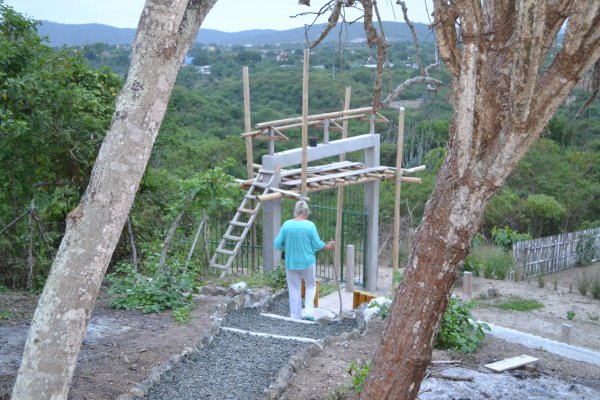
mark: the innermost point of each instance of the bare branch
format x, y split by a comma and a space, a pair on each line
406, 84
331, 23
414, 35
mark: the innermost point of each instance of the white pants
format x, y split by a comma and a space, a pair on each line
294, 282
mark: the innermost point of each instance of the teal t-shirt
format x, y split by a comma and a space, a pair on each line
300, 240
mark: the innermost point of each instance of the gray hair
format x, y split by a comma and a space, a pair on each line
301, 208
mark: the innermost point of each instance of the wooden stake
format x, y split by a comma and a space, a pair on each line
304, 121
247, 122
249, 155
396, 244
329, 115
30, 251
337, 258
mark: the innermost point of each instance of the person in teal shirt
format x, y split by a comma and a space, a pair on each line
299, 238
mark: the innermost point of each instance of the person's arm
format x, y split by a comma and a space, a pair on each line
279, 241
330, 245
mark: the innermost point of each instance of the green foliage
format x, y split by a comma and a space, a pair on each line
585, 250
326, 289
5, 314
383, 309
131, 289
181, 315
570, 315
3, 289
359, 372
506, 237
519, 304
543, 214
398, 275
541, 280
457, 332
583, 281
277, 278
489, 261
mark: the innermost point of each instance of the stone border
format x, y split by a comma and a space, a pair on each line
238, 299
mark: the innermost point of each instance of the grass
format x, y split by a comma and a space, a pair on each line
5, 314
326, 288
519, 304
491, 262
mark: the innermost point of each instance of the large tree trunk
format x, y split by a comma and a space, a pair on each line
165, 33
503, 99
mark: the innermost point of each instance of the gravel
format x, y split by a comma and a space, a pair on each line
249, 320
233, 367
239, 366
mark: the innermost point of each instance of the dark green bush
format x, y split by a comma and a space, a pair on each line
457, 331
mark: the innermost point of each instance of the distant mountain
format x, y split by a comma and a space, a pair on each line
73, 35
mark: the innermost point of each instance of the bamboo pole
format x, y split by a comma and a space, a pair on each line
304, 121
30, 250
337, 258
396, 245
333, 114
247, 122
249, 156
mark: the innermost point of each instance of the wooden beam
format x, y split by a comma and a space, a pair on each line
399, 171
335, 114
304, 120
247, 123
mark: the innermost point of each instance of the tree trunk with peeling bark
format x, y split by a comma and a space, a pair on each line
165, 33
504, 94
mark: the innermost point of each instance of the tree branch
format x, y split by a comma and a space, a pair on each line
331, 23
444, 25
406, 84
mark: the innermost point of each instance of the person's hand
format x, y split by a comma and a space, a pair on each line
330, 245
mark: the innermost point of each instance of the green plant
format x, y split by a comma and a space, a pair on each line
182, 314
398, 275
570, 315
457, 331
583, 282
326, 289
489, 261
277, 278
585, 250
3, 289
519, 304
5, 314
471, 264
506, 237
383, 309
131, 289
541, 280
359, 371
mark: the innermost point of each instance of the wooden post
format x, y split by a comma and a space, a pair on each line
396, 243
247, 123
350, 268
30, 252
304, 121
249, 156
337, 257
565, 333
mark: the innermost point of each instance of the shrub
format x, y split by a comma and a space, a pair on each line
471, 264
457, 332
570, 315
541, 280
133, 290
359, 372
491, 262
583, 282
506, 237
585, 250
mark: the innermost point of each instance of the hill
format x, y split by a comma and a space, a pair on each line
74, 35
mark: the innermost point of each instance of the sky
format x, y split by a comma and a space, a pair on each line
226, 15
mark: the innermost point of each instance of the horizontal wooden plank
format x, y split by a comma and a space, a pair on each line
511, 363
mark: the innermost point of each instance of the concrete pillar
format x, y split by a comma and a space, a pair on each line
271, 219
350, 268
565, 333
371, 207
467, 289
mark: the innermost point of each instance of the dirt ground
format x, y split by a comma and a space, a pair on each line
119, 350
123, 346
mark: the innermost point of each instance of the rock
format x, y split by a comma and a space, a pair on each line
493, 292
210, 290
237, 288
374, 306
137, 393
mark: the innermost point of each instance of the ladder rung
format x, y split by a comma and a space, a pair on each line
266, 171
238, 223
225, 251
250, 196
231, 237
220, 266
246, 210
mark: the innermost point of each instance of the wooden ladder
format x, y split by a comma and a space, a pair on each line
240, 225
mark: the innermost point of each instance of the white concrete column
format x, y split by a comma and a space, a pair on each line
371, 207
271, 219
467, 286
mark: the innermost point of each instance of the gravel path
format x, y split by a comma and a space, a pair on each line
249, 320
240, 366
